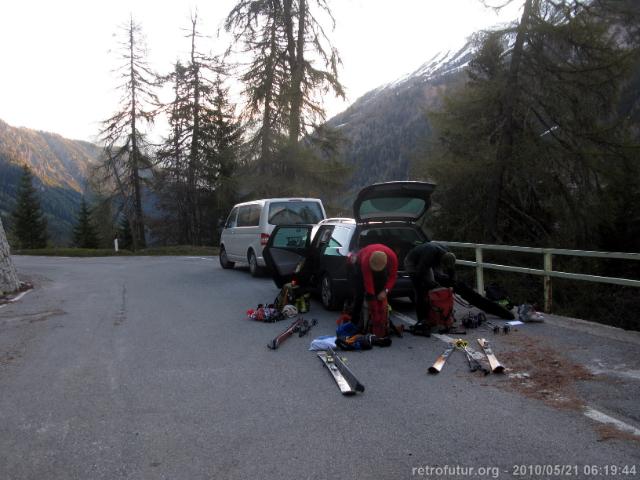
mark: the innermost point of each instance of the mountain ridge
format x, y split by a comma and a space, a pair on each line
385, 127
60, 168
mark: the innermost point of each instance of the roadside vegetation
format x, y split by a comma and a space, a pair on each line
178, 250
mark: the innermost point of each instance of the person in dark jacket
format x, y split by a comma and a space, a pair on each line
429, 265
432, 265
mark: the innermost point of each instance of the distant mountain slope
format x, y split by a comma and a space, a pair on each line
60, 167
384, 127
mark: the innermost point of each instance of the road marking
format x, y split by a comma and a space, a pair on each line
404, 318
598, 416
615, 371
444, 338
19, 296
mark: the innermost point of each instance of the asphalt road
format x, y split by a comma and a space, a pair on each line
147, 368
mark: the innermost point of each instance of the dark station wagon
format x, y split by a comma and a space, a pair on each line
319, 255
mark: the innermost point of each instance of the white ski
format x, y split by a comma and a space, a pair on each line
495, 365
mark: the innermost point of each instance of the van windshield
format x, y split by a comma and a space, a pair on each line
294, 212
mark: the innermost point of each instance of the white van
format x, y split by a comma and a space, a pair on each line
249, 225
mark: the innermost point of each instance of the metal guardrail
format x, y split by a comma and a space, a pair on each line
547, 271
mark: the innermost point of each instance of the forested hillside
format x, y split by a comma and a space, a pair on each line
60, 167
383, 128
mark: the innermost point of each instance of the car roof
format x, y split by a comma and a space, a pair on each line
262, 201
336, 220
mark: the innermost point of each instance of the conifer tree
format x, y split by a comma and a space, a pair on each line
199, 155
531, 147
29, 224
123, 135
125, 236
84, 232
291, 64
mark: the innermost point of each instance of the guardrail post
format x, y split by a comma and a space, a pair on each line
479, 271
548, 291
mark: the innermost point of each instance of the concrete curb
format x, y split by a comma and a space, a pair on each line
594, 328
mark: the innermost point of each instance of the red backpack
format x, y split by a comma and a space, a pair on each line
377, 317
440, 307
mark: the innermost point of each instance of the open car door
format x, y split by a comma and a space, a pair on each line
286, 251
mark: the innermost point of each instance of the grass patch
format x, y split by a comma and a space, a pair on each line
178, 250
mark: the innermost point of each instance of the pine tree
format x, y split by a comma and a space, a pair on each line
125, 236
29, 224
84, 232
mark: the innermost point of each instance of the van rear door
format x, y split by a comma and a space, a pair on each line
295, 211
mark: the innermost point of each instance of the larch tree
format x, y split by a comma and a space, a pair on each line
536, 136
292, 65
123, 134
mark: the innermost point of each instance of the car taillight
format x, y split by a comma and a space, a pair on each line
264, 239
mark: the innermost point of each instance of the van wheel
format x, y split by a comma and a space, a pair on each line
254, 268
327, 294
224, 261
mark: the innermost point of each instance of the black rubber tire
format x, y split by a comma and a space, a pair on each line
224, 261
254, 269
327, 293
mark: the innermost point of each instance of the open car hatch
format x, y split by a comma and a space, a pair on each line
389, 201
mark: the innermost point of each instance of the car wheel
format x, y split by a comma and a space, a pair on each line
254, 269
327, 294
224, 261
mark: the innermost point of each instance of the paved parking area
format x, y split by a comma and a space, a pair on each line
146, 367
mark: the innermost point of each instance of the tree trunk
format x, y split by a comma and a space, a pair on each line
138, 220
296, 61
8, 276
504, 153
265, 160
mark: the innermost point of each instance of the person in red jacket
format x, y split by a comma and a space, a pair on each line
375, 273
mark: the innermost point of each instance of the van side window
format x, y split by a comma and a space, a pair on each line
249, 215
244, 216
231, 219
254, 215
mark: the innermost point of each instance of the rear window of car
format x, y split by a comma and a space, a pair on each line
293, 212
392, 205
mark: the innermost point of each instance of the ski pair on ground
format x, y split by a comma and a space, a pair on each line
474, 365
346, 380
299, 325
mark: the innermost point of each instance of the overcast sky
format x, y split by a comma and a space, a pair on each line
58, 55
